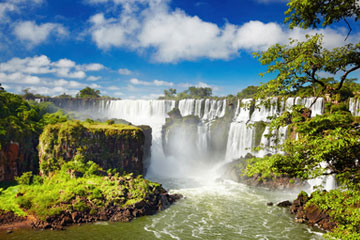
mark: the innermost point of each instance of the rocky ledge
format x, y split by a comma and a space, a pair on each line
111, 213
157, 202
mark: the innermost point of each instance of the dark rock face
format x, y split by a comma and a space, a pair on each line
155, 203
16, 159
311, 214
147, 146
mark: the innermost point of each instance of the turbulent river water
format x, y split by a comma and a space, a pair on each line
209, 210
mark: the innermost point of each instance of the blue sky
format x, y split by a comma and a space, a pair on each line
138, 48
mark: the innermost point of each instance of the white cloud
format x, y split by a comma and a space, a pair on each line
172, 35
124, 71
113, 88
93, 67
41, 75
35, 34
162, 83
93, 78
136, 81
16, 6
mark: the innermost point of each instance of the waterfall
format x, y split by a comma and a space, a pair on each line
214, 109
354, 106
242, 137
187, 107
240, 140
247, 129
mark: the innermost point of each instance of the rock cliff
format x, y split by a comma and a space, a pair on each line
114, 146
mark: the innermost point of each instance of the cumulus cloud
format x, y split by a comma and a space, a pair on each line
173, 35
35, 34
136, 81
124, 71
45, 76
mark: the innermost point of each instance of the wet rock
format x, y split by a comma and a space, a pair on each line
286, 203
311, 214
270, 204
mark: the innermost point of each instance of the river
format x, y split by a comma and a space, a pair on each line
210, 210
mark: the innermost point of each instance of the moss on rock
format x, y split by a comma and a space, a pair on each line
116, 146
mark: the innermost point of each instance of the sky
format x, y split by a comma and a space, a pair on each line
134, 49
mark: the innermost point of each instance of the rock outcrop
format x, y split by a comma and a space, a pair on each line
234, 172
310, 213
115, 146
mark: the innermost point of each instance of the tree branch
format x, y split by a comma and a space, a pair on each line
313, 78
343, 78
350, 29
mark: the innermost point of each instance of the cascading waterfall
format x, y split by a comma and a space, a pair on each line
354, 106
243, 134
206, 110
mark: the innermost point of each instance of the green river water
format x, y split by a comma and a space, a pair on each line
210, 210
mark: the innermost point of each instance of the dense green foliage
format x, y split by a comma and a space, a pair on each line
22, 121
248, 92
331, 138
305, 14
343, 208
77, 186
88, 93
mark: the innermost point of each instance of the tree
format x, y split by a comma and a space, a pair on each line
1, 88
199, 92
305, 14
248, 92
28, 95
88, 93
300, 64
168, 94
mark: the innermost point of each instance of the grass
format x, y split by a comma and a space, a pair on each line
63, 191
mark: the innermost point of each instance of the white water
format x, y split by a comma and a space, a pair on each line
354, 106
241, 136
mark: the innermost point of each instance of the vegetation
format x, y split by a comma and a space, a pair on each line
301, 63
98, 142
191, 92
77, 186
88, 93
248, 92
22, 121
326, 144
343, 208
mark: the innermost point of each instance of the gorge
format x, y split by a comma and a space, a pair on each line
185, 158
